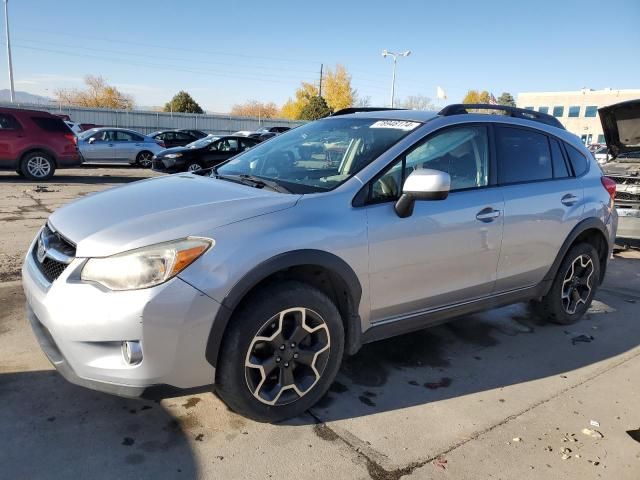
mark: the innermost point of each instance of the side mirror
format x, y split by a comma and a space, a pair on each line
422, 184
91, 140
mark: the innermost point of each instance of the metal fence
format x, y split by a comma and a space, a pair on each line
149, 121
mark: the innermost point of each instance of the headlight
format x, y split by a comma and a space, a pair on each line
145, 267
173, 155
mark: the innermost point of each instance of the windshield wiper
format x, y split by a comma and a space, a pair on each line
261, 183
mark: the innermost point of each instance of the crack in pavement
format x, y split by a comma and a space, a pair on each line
378, 472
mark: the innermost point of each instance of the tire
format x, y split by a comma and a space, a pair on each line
271, 313
143, 159
37, 166
193, 166
579, 272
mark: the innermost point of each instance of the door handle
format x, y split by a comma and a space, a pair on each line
569, 199
488, 214
111, 144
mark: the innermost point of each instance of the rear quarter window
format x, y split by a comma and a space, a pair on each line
49, 124
579, 162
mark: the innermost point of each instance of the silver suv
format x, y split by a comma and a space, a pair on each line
259, 275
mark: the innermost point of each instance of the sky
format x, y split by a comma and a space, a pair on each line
225, 53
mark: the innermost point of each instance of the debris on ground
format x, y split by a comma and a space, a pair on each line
44, 189
592, 433
440, 462
566, 453
199, 437
594, 423
516, 439
582, 339
443, 383
548, 448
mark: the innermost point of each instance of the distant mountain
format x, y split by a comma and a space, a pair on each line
23, 97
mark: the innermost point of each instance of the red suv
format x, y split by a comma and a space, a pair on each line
35, 143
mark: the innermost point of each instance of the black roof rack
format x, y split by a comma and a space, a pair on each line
347, 111
462, 108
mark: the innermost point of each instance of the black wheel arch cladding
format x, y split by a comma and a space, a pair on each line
346, 285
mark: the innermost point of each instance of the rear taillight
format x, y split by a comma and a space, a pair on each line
161, 143
71, 137
609, 185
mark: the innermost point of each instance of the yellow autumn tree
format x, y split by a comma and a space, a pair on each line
476, 96
292, 108
98, 94
337, 90
254, 108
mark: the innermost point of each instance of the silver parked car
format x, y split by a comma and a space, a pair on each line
117, 145
260, 274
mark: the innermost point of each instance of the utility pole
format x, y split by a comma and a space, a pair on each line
386, 53
6, 24
320, 87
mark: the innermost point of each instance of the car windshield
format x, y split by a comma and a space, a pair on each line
321, 155
203, 142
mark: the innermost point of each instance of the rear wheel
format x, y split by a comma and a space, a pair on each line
144, 159
281, 352
573, 288
37, 166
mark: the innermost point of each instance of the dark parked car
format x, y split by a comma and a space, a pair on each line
35, 143
266, 133
203, 153
173, 138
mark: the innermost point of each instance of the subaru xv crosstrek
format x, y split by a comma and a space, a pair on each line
259, 275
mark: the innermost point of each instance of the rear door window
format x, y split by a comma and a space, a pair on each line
8, 122
51, 124
578, 161
523, 155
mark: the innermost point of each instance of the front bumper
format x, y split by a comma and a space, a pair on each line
81, 327
168, 165
628, 223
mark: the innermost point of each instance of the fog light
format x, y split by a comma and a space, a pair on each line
131, 352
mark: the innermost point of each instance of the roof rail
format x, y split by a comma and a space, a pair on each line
462, 108
347, 111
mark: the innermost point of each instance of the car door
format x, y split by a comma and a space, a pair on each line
101, 148
447, 251
11, 139
128, 144
543, 202
182, 138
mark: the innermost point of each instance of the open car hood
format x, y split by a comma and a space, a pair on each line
621, 126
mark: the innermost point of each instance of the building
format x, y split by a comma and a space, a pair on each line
577, 110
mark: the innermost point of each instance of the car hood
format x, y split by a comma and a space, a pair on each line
621, 126
167, 151
158, 210
622, 168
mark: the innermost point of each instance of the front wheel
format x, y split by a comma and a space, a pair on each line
281, 352
144, 159
37, 166
193, 166
573, 288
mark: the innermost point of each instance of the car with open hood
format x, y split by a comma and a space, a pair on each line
621, 125
260, 274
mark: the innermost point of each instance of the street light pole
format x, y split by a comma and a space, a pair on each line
385, 54
6, 23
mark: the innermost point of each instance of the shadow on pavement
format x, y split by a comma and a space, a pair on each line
486, 351
64, 431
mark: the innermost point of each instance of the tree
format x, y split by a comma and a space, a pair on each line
293, 107
184, 103
475, 96
315, 109
336, 88
363, 101
97, 95
418, 102
253, 108
506, 99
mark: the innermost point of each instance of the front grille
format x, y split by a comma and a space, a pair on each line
627, 196
50, 267
625, 180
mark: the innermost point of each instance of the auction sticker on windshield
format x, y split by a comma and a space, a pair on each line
396, 124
